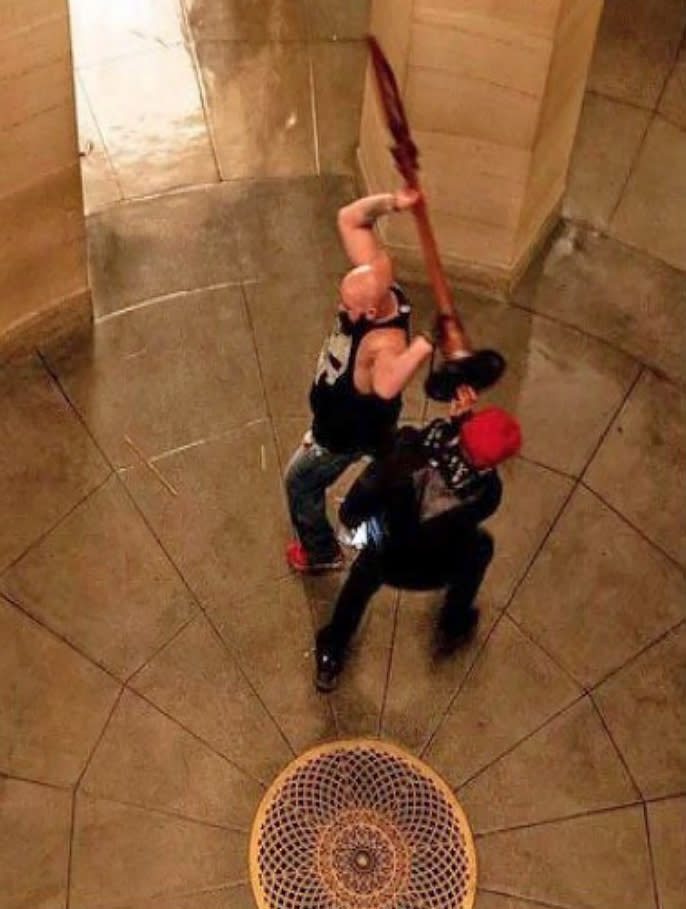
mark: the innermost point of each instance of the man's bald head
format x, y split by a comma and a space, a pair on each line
365, 289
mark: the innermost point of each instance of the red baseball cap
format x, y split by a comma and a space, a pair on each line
489, 437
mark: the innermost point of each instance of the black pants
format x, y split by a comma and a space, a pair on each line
460, 570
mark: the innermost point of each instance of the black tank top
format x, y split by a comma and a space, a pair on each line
344, 418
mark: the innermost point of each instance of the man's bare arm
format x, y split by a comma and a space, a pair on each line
394, 365
356, 222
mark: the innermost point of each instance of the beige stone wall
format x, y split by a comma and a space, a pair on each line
493, 90
42, 230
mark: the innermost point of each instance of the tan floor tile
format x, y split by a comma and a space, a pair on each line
598, 593
53, 702
652, 213
154, 247
288, 227
667, 823
634, 49
641, 467
585, 863
644, 706
569, 767
121, 854
291, 319
485, 900
245, 20
34, 845
358, 700
562, 386
236, 897
607, 140
259, 108
227, 528
331, 19
532, 498
103, 31
166, 375
152, 120
512, 689
101, 581
100, 186
338, 69
197, 682
422, 682
272, 632
47, 461
145, 759
621, 295
673, 101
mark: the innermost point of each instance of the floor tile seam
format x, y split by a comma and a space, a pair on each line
98, 739
618, 751
590, 336
35, 543
636, 656
163, 812
281, 470
389, 665
101, 136
191, 46
6, 775
169, 558
153, 46
551, 718
58, 636
235, 656
70, 849
636, 529
560, 819
164, 644
651, 858
170, 297
525, 899
633, 164
501, 614
672, 796
10, 126
313, 108
189, 446
557, 471
182, 894
553, 657
612, 419
198, 738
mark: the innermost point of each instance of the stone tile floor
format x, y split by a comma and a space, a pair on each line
157, 667
156, 671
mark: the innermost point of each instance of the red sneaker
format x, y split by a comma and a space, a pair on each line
299, 560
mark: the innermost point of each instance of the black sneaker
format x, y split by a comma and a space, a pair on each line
329, 666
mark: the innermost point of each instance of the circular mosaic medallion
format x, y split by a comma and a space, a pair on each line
361, 825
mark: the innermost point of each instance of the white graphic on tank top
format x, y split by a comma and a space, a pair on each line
334, 356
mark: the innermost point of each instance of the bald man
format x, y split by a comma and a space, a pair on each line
355, 398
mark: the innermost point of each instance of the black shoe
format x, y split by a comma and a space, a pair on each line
329, 666
481, 369
455, 628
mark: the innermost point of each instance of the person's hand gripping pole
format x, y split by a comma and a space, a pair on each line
461, 364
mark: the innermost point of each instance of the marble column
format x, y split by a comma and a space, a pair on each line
43, 278
493, 92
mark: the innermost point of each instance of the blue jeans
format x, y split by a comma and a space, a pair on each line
311, 470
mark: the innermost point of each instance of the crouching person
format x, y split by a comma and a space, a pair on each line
420, 509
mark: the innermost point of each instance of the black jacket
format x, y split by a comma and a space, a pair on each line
391, 489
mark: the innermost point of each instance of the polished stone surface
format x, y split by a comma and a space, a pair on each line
157, 656
614, 593
644, 708
650, 215
112, 612
34, 844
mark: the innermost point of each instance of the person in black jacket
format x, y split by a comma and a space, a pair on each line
420, 508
